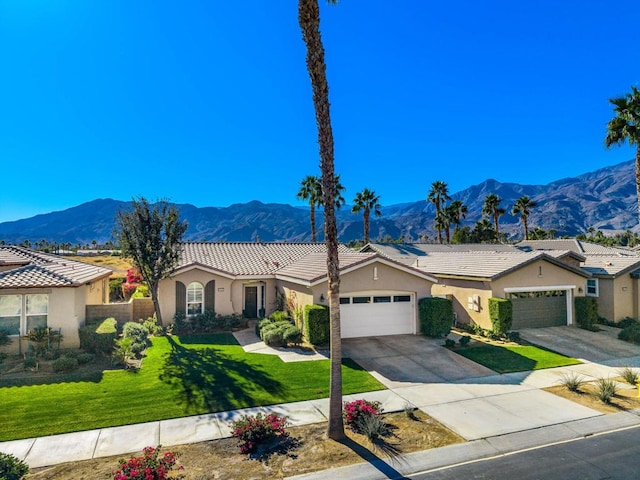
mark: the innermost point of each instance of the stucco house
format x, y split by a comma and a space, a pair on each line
615, 274
540, 285
41, 290
378, 295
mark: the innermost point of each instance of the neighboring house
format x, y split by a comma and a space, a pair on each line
378, 295
41, 290
615, 274
540, 286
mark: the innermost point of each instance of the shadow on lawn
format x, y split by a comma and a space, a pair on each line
208, 380
498, 359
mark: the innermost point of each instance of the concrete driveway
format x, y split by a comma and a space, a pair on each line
600, 347
403, 360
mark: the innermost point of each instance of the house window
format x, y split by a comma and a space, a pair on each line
21, 313
195, 299
402, 298
345, 300
361, 299
592, 287
381, 299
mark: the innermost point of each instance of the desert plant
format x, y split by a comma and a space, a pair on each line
409, 410
64, 364
572, 381
353, 411
606, 389
373, 427
11, 467
273, 337
464, 340
292, 335
280, 315
252, 430
630, 375
150, 466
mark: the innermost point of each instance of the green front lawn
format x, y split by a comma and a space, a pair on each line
180, 376
518, 358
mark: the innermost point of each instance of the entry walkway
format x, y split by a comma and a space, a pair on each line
487, 407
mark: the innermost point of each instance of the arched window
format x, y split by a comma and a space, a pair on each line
195, 298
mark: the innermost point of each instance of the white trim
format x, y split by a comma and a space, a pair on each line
597, 285
538, 289
188, 268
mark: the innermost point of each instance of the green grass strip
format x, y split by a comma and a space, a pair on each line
180, 377
506, 359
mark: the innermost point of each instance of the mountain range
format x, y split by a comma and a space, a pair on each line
604, 199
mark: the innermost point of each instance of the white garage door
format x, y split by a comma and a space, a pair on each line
375, 314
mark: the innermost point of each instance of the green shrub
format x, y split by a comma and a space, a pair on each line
142, 291
29, 362
138, 335
513, 337
627, 322
123, 352
98, 338
84, 358
316, 326
629, 375
501, 315
464, 340
4, 338
280, 315
260, 324
436, 316
65, 364
11, 467
292, 335
151, 326
115, 290
586, 312
230, 322
449, 343
252, 430
630, 334
273, 337
353, 412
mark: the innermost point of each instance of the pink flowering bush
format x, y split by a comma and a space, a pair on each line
150, 466
251, 430
354, 412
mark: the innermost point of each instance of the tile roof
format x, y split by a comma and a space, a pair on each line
39, 270
579, 246
247, 258
612, 265
399, 250
488, 265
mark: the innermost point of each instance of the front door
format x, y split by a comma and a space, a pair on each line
251, 302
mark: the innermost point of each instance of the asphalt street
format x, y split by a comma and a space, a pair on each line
609, 456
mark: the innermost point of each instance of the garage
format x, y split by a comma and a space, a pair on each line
371, 314
540, 308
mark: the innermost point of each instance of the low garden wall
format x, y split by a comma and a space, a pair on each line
132, 311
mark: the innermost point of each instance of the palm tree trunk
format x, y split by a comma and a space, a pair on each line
312, 214
526, 227
366, 226
495, 223
638, 178
309, 20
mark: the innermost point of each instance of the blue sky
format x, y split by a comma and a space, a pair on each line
209, 103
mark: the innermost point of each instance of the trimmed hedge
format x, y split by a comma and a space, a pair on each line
586, 312
501, 315
630, 333
99, 337
316, 325
436, 316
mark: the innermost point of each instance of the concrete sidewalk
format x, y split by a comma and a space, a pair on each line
486, 407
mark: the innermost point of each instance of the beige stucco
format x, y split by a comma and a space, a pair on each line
460, 291
618, 297
229, 292
66, 311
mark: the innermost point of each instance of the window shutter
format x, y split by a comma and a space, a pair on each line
210, 296
181, 298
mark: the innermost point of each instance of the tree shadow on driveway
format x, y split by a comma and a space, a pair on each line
208, 380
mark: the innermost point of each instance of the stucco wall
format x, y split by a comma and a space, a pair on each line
459, 292
530, 276
623, 297
96, 292
298, 296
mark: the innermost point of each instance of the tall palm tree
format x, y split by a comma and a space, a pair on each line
311, 191
438, 194
523, 208
442, 222
368, 202
457, 212
309, 20
492, 209
339, 199
625, 126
